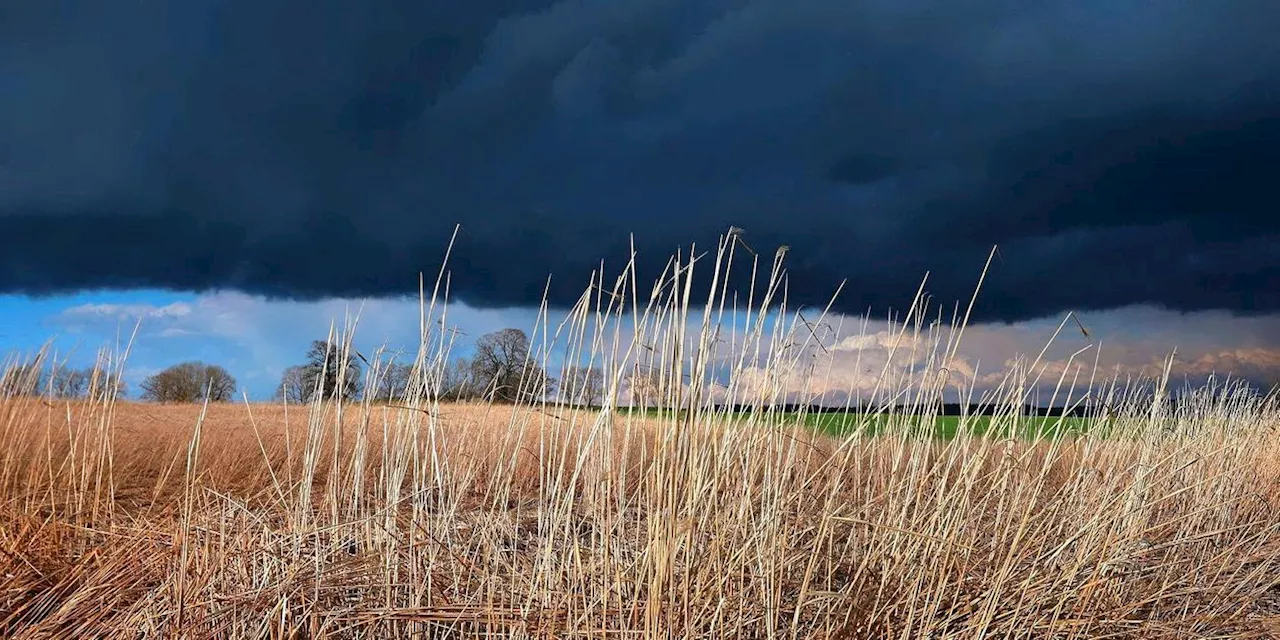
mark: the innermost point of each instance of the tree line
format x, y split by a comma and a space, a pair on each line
44, 379
502, 369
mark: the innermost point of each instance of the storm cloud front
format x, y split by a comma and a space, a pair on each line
1119, 152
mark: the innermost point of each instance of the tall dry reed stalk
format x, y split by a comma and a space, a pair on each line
356, 520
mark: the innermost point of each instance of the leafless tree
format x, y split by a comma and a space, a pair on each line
646, 386
106, 384
393, 383
504, 370
23, 379
292, 388
332, 371
190, 382
583, 386
456, 381
44, 378
69, 383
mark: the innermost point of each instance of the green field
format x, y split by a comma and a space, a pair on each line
844, 423
947, 427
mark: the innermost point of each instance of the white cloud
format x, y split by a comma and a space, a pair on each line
1134, 341
858, 367
89, 312
1246, 362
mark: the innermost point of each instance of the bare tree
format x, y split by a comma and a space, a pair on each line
456, 381
69, 383
293, 386
107, 384
583, 386
646, 385
23, 379
190, 382
393, 382
331, 371
44, 378
503, 370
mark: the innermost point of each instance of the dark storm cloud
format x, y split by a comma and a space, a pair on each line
862, 169
1118, 151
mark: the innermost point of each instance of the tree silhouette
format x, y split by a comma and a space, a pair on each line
583, 386
503, 370
331, 372
189, 382
394, 383
293, 386
457, 381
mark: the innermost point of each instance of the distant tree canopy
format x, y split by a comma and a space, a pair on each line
23, 379
54, 381
293, 385
68, 383
330, 372
647, 386
457, 381
583, 386
101, 384
189, 382
503, 370
393, 383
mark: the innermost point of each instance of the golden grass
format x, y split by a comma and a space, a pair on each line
515, 522
361, 521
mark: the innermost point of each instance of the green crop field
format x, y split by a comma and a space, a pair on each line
849, 423
947, 427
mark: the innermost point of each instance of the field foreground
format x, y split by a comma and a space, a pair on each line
129, 520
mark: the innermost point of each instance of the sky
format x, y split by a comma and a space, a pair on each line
239, 174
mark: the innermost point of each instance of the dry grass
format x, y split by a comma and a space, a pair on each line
361, 521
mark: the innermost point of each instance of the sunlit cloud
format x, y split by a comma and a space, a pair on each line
873, 361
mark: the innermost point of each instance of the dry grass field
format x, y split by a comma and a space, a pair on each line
259, 521
126, 520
